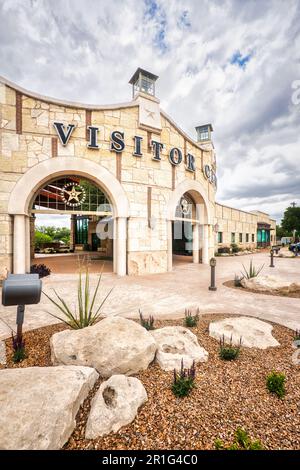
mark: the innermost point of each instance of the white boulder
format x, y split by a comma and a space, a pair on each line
114, 345
271, 284
176, 343
39, 405
115, 404
253, 332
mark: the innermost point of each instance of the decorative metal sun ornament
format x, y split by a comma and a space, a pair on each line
73, 194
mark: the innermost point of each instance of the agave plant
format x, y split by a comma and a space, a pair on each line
252, 271
85, 315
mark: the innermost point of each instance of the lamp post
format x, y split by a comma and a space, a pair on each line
213, 263
272, 258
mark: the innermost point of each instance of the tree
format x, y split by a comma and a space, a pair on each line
40, 237
291, 219
281, 232
55, 233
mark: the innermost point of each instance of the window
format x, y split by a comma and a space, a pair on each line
241, 238
204, 135
253, 239
220, 237
247, 237
232, 237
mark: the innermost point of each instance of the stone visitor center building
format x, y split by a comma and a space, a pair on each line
125, 170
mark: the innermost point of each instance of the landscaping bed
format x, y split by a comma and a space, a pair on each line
228, 395
295, 295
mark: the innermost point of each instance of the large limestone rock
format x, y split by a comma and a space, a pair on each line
254, 333
175, 343
114, 345
115, 404
271, 284
39, 405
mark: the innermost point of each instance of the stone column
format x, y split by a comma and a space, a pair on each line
170, 245
122, 246
115, 248
27, 244
205, 254
19, 244
195, 243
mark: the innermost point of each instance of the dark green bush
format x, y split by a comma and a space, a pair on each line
41, 269
184, 381
228, 351
147, 323
234, 248
224, 249
242, 441
191, 320
275, 383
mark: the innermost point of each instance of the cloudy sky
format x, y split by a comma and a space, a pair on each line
234, 63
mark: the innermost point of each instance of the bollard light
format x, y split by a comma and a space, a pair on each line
272, 258
213, 263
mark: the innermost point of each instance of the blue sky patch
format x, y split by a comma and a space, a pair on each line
240, 60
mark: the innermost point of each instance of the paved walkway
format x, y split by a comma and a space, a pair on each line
167, 295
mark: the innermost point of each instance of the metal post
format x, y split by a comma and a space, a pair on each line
20, 320
272, 258
213, 263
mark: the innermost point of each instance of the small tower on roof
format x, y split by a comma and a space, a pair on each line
143, 82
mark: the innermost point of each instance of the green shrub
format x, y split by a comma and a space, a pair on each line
234, 248
275, 383
224, 249
297, 335
252, 271
228, 351
84, 315
184, 381
147, 323
189, 319
242, 441
18, 343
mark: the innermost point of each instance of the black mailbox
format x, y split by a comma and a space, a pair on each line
21, 289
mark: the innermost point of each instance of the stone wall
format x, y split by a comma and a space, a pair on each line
22, 146
230, 220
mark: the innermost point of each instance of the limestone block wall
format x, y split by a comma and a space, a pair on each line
230, 220
27, 137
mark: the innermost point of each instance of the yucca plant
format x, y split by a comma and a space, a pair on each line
85, 316
252, 271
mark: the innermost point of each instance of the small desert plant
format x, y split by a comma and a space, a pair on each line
237, 280
86, 316
297, 335
41, 269
189, 319
242, 441
147, 323
275, 383
252, 271
183, 381
228, 351
18, 345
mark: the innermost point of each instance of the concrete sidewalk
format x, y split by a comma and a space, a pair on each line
167, 295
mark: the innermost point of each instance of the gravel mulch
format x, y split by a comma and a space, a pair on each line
294, 295
228, 395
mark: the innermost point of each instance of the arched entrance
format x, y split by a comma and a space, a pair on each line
71, 224
189, 223
27, 189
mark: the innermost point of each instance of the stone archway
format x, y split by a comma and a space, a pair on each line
26, 187
201, 218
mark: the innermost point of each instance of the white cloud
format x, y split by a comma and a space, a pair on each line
87, 51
